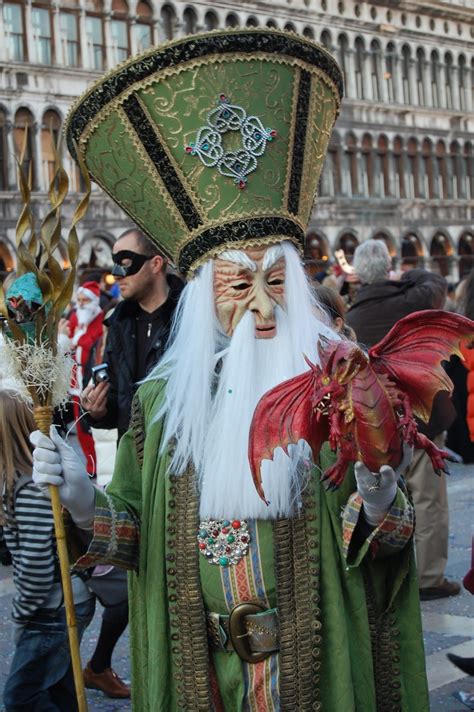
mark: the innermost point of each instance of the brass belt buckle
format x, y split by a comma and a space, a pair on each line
238, 634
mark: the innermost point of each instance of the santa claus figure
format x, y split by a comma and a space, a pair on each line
82, 336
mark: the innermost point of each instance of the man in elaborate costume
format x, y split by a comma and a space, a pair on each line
214, 145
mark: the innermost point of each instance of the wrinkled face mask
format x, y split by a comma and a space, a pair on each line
127, 262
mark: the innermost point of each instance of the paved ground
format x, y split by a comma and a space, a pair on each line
449, 623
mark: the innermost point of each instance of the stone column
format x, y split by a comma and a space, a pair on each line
398, 80
11, 156
83, 48
412, 83
3, 45
132, 36
58, 58
349, 76
442, 86
455, 88
30, 40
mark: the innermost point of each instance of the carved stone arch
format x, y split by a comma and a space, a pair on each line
252, 21
95, 250
168, 17
347, 241
465, 252
316, 252
441, 253
326, 39
308, 32
290, 27
211, 20
412, 250
387, 237
232, 20
272, 24
190, 20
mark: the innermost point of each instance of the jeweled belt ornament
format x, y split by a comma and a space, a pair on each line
223, 542
209, 147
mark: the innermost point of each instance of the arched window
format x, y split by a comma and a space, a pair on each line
190, 21
399, 168
458, 186
289, 27
211, 21
95, 36
343, 52
168, 21
413, 187
359, 67
411, 252
13, 20
326, 40
308, 32
271, 23
420, 65
352, 164
466, 254
231, 20
428, 172
406, 61
367, 187
3, 151
333, 165
462, 79
441, 252
68, 23
448, 73
384, 167
469, 170
316, 253
389, 71
348, 244
251, 22
435, 78
50, 132
42, 34
442, 172
375, 69
23, 142
119, 31
391, 247
143, 28
95, 252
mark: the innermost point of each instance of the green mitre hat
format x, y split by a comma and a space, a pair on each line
214, 140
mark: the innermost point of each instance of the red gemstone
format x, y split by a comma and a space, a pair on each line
188, 149
215, 532
273, 133
228, 549
244, 539
241, 185
222, 97
202, 545
225, 530
236, 524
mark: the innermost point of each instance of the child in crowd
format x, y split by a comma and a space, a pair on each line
41, 676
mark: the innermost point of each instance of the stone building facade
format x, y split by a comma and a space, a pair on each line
400, 165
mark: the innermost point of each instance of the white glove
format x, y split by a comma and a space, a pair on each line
379, 489
56, 463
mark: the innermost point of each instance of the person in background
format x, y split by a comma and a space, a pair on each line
41, 676
336, 308
138, 329
461, 433
379, 304
81, 334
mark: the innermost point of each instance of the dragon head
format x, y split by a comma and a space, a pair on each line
341, 360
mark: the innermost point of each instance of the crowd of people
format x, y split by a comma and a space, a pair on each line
309, 599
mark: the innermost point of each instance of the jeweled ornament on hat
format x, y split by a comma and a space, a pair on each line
209, 144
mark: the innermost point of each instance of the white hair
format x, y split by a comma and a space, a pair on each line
214, 383
372, 261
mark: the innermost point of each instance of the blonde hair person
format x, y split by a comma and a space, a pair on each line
41, 672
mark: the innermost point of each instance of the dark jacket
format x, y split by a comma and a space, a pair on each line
120, 355
378, 306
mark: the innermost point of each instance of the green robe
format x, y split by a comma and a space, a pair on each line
347, 596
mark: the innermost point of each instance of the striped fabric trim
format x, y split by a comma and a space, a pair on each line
244, 582
395, 531
115, 540
32, 545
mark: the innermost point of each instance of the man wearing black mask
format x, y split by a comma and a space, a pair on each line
138, 329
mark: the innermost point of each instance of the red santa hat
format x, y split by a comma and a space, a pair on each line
91, 290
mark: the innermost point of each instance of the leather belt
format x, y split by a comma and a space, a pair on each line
250, 630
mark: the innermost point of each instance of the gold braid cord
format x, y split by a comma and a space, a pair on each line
296, 548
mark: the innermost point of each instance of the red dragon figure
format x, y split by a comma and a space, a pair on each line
363, 404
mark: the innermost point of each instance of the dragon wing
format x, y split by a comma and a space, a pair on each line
284, 415
412, 351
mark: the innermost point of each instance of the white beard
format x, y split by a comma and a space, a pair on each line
250, 367
87, 314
